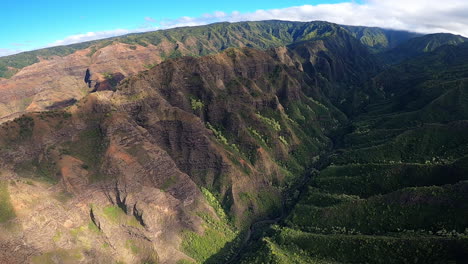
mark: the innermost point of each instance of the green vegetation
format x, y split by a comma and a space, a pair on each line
258, 136
26, 125
57, 236
214, 203
378, 39
219, 239
60, 256
406, 209
6, 209
275, 125
93, 50
113, 213
196, 104
111, 78
366, 180
416, 145
76, 232
21, 60
168, 183
214, 38
420, 45
131, 244
216, 236
184, 261
93, 227
150, 66
44, 171
271, 252
107, 75
391, 146
363, 249
394, 190
222, 139
89, 148
219, 136
117, 216
283, 140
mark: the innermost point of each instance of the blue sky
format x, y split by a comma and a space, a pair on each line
32, 24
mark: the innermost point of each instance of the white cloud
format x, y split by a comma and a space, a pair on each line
90, 36
216, 14
425, 16
6, 52
150, 19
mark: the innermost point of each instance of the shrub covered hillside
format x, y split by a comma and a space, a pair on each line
395, 189
175, 163
51, 78
214, 38
252, 142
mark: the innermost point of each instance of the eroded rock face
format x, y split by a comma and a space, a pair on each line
104, 63
130, 215
60, 79
127, 165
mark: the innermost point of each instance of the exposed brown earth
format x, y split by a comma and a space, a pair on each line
58, 79
127, 165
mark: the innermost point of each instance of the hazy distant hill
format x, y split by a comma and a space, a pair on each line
420, 45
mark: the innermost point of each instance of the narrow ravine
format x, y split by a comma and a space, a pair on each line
287, 206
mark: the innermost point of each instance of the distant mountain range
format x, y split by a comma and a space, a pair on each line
250, 142
44, 79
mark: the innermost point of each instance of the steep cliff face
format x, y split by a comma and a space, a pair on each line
96, 189
174, 162
49, 78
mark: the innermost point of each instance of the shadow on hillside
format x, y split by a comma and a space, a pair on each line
229, 251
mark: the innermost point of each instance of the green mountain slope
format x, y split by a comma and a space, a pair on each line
271, 142
395, 188
427, 89
379, 39
194, 149
419, 45
202, 40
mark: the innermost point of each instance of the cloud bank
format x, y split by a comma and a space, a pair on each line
424, 16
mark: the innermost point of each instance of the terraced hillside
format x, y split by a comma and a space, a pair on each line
395, 189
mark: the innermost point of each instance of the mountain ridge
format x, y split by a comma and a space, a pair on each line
421, 45
49, 80
174, 163
31, 57
170, 132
